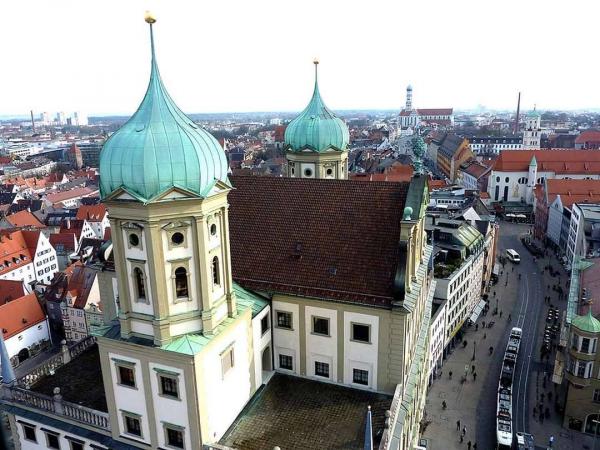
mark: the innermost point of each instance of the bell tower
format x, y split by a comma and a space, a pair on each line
164, 181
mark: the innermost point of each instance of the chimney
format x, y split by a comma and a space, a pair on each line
518, 111
32, 121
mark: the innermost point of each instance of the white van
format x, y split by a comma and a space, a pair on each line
513, 256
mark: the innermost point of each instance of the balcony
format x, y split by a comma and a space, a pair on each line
68, 385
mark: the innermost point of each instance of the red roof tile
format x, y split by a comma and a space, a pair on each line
20, 314
14, 251
563, 161
68, 241
588, 136
573, 191
10, 290
332, 239
92, 213
24, 219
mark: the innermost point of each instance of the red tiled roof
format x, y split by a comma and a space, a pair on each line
588, 136
24, 219
72, 226
436, 184
20, 314
14, 251
73, 193
332, 239
484, 195
559, 161
10, 290
573, 191
92, 213
67, 240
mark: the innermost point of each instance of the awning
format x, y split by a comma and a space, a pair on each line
477, 311
559, 366
496, 269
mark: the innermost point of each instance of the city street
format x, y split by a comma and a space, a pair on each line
474, 402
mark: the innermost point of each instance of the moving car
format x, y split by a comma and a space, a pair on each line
513, 256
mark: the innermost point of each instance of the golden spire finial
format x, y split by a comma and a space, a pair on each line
316, 61
149, 17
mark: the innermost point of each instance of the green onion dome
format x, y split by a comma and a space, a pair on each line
587, 323
160, 148
317, 128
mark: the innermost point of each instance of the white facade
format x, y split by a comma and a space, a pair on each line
555, 218
262, 345
286, 342
437, 339
361, 355
36, 333
24, 273
98, 226
533, 133
40, 430
45, 261
319, 348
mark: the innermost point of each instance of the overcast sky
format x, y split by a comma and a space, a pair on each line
226, 55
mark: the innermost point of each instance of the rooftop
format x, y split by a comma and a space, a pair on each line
331, 239
558, 161
80, 381
24, 219
297, 414
19, 314
573, 191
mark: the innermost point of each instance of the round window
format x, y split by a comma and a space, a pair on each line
329, 172
308, 172
506, 180
213, 230
134, 240
497, 179
177, 238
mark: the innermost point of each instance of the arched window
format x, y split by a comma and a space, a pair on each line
181, 282
215, 271
138, 275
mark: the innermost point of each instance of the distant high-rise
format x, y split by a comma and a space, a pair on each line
80, 118
61, 118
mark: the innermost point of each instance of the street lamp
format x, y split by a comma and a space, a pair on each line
474, 347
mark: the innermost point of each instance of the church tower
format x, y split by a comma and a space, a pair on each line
531, 179
164, 181
532, 134
409, 98
317, 141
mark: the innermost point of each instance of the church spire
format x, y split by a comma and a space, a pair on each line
8, 373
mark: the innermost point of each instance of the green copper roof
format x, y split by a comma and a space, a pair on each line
160, 148
534, 113
587, 323
317, 128
533, 161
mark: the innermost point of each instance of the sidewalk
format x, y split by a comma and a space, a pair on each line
474, 402
564, 439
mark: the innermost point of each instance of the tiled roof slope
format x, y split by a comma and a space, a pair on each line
14, 251
20, 314
573, 191
331, 239
558, 161
588, 136
10, 290
93, 213
24, 219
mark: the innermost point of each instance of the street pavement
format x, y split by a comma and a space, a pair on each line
474, 402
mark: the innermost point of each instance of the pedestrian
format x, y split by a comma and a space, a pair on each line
473, 368
464, 430
484, 335
483, 324
491, 349
509, 317
450, 375
444, 405
474, 376
501, 314
458, 425
469, 445
461, 438
494, 293
551, 441
475, 446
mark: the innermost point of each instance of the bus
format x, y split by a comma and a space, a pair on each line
513, 256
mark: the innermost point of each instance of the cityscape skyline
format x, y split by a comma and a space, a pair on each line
265, 65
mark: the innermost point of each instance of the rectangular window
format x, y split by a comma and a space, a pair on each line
264, 325
133, 425
321, 369
227, 360
597, 395
126, 375
286, 362
75, 444
174, 437
168, 386
52, 440
360, 376
361, 332
585, 345
29, 433
284, 319
320, 325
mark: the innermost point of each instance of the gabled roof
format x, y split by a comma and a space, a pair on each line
564, 161
73, 193
76, 280
572, 191
588, 136
20, 314
14, 251
330, 239
64, 242
24, 219
91, 213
